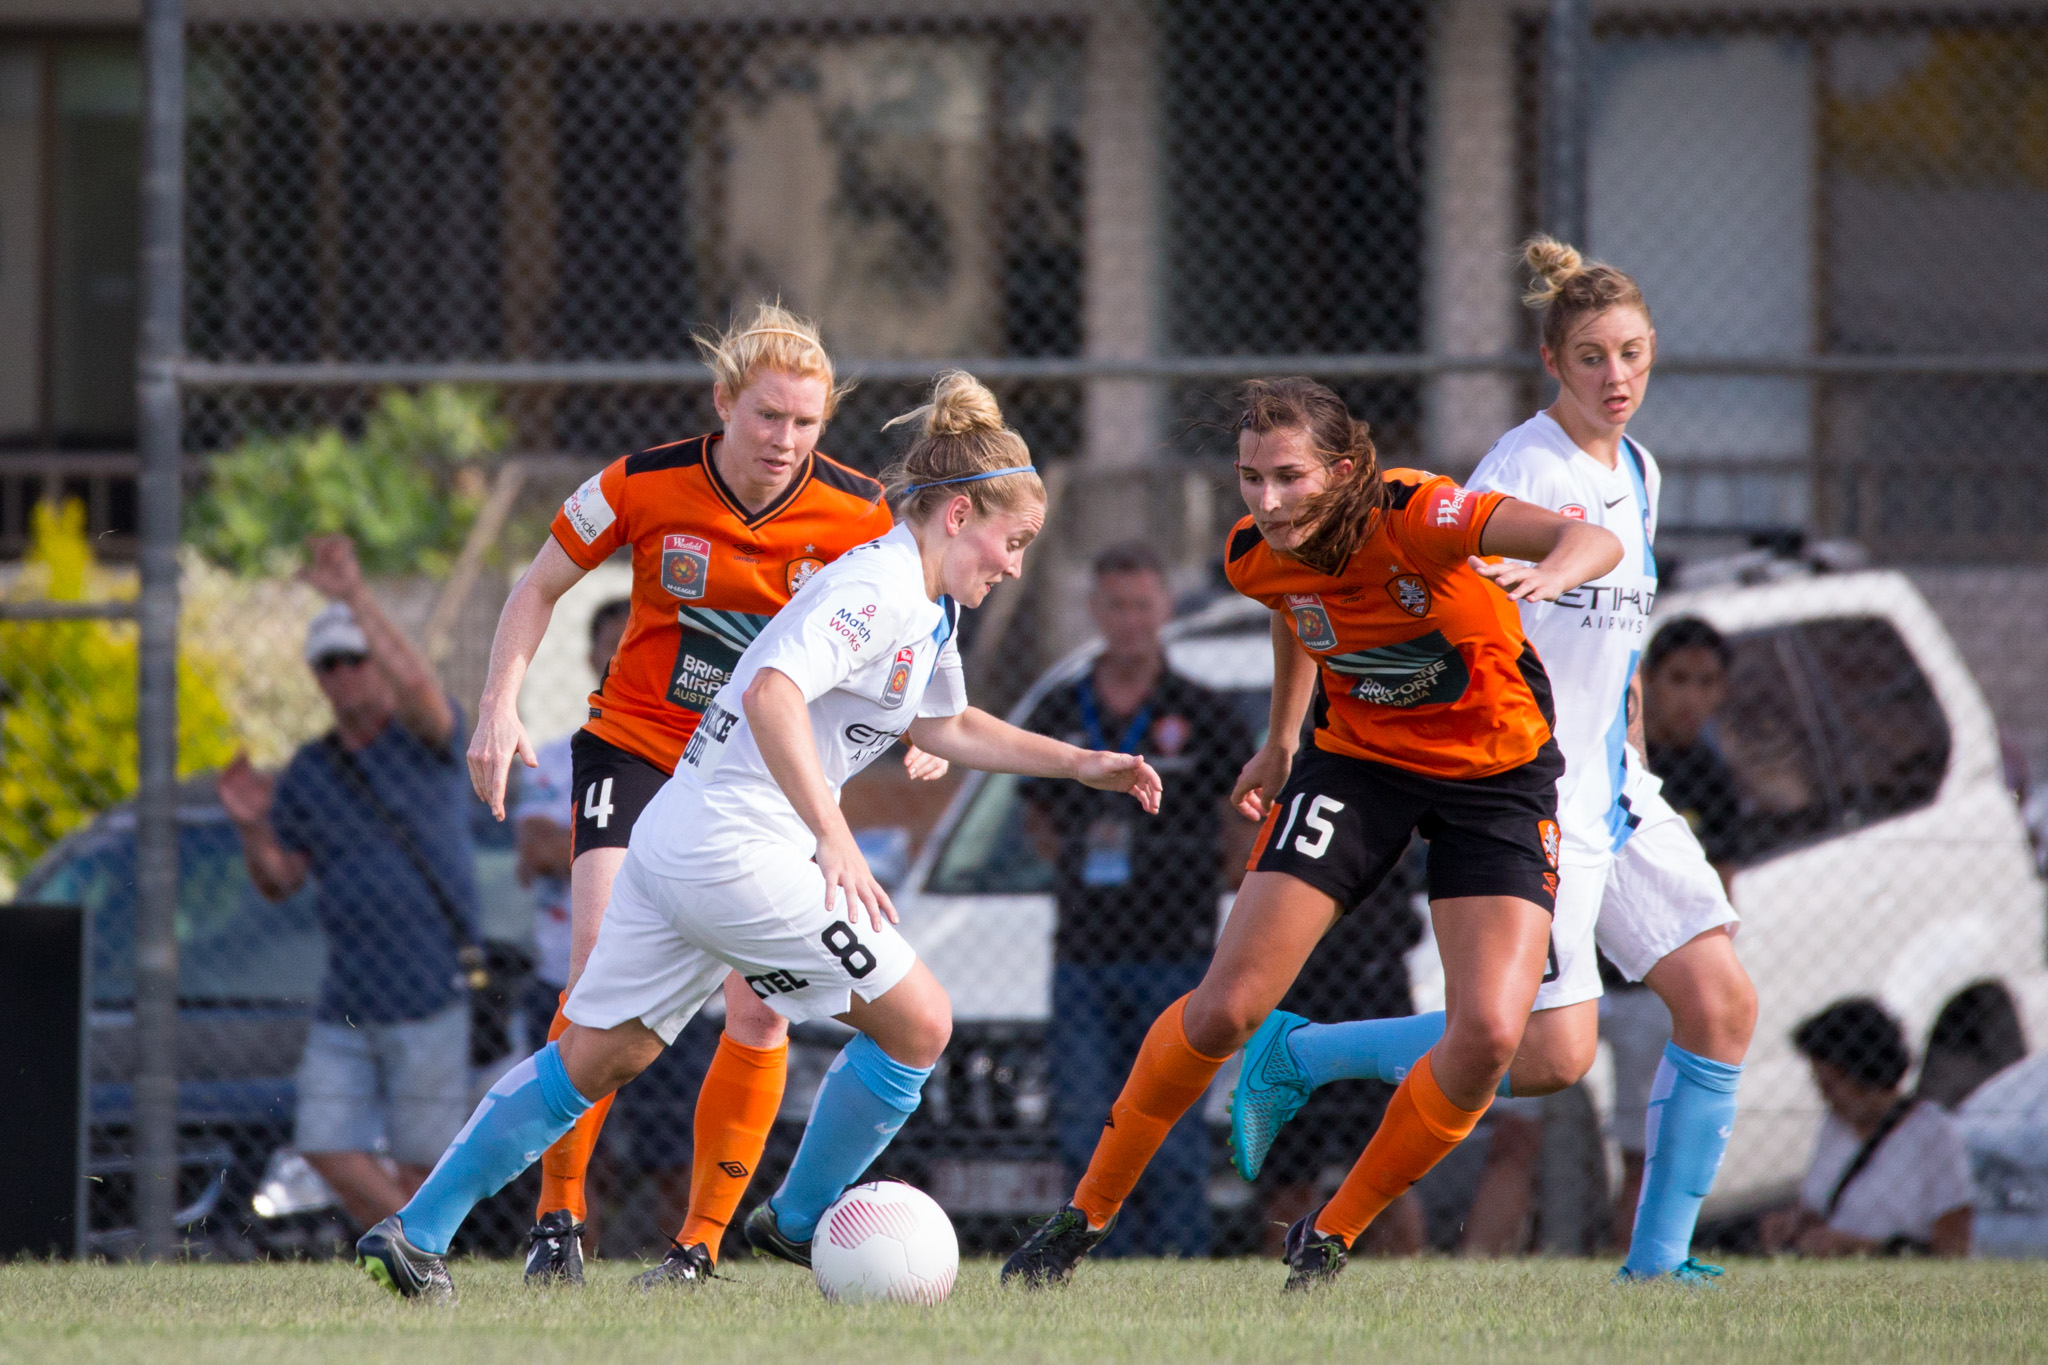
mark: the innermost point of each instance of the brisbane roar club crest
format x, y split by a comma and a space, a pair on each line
685, 565
1311, 621
1410, 594
800, 571
899, 678
1546, 830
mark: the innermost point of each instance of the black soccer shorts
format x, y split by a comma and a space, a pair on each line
610, 787
1341, 824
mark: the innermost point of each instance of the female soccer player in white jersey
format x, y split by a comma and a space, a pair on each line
1628, 862
743, 861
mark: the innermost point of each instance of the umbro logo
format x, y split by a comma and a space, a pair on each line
733, 1169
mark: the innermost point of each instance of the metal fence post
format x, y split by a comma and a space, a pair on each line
156, 711
1567, 81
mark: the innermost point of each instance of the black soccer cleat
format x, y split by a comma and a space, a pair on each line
1313, 1258
684, 1265
385, 1256
1049, 1257
554, 1253
767, 1240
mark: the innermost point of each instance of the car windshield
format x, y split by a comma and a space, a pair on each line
990, 852
232, 944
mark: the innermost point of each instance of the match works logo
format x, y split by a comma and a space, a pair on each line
1546, 830
1572, 510
899, 678
1312, 621
800, 571
685, 565
1410, 594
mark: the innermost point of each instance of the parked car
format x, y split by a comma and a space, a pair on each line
1887, 858
248, 973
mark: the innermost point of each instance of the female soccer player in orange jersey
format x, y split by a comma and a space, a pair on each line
724, 529
1432, 713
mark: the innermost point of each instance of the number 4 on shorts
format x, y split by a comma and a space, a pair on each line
597, 803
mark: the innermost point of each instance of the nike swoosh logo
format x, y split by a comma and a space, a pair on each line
1619, 501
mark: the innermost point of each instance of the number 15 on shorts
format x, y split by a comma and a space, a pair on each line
1314, 840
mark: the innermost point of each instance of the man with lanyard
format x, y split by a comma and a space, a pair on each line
1137, 898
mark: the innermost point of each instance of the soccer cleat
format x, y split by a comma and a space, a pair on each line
687, 1265
1052, 1252
767, 1240
385, 1256
1313, 1258
1693, 1274
554, 1253
1270, 1090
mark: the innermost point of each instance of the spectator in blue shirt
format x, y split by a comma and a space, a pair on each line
374, 814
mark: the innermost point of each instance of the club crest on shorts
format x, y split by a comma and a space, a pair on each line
1311, 621
1410, 593
800, 571
1546, 830
899, 678
685, 565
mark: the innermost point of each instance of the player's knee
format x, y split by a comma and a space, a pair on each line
926, 1035
1725, 1018
1484, 1041
1218, 1023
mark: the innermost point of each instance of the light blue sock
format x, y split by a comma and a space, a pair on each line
865, 1100
1368, 1049
531, 1105
1692, 1112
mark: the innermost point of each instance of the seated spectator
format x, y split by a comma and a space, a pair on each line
1889, 1171
1685, 682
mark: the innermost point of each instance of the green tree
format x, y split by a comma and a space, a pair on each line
406, 490
67, 701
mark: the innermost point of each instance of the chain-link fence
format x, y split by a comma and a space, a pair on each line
442, 261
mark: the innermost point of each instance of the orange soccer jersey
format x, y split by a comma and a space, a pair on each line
1422, 663
707, 575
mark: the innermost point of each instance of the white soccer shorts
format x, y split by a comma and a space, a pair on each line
1659, 893
666, 945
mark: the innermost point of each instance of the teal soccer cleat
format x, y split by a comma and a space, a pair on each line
1693, 1274
1270, 1090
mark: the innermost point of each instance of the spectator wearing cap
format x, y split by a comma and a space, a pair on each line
373, 813
1889, 1172
1137, 895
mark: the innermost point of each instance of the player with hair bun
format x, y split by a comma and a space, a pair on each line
723, 530
1633, 878
1432, 714
743, 864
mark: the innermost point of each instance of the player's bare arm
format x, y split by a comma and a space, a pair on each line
422, 706
979, 740
499, 734
1294, 682
781, 723
1560, 553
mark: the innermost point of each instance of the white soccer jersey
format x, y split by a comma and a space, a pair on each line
870, 651
1591, 637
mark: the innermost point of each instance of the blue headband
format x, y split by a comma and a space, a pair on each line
971, 478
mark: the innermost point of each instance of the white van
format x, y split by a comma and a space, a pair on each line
1886, 857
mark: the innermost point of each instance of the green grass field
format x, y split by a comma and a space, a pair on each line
1525, 1311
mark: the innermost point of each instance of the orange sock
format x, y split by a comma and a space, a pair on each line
564, 1165
736, 1107
1166, 1081
1421, 1126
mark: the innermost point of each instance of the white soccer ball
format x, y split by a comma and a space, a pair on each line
885, 1242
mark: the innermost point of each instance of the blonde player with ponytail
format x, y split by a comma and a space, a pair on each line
723, 530
744, 864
